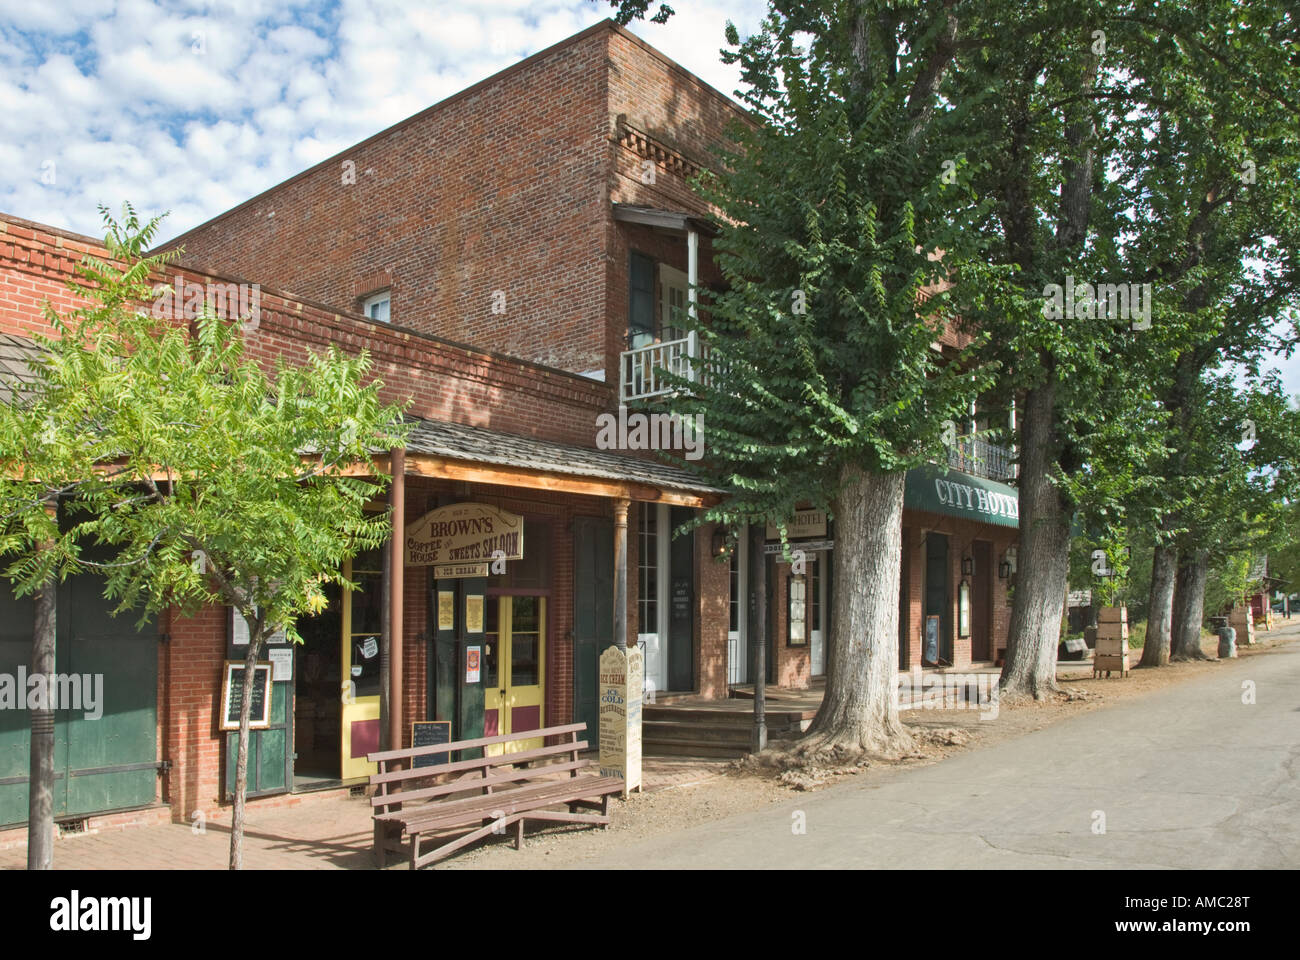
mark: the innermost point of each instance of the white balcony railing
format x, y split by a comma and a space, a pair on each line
641, 370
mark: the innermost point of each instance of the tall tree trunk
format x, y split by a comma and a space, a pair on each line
1189, 603
1043, 561
241, 761
40, 795
1164, 568
859, 713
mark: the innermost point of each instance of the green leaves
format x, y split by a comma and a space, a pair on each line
212, 481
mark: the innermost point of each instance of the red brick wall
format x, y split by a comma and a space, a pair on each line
190, 713
505, 186
961, 534
713, 616
499, 187
441, 380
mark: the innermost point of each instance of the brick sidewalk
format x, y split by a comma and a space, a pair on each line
327, 833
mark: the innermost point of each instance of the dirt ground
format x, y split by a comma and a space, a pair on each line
738, 787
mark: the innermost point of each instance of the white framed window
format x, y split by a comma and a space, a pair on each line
376, 306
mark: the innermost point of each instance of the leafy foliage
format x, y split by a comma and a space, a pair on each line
210, 481
845, 247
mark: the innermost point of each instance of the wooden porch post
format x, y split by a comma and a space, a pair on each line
621, 637
396, 616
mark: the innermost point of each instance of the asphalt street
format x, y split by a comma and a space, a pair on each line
1190, 776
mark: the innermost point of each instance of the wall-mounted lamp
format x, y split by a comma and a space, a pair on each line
719, 541
1004, 570
967, 566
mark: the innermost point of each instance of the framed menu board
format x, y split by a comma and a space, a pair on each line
232, 695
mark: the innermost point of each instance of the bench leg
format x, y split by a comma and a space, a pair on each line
519, 834
415, 850
381, 844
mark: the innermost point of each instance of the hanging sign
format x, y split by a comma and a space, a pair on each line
805, 523
459, 571
464, 533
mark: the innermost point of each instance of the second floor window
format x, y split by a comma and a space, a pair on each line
641, 302
376, 307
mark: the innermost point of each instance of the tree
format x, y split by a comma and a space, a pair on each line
1083, 91
1242, 489
845, 250
628, 10
211, 482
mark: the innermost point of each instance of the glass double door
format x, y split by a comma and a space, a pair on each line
514, 659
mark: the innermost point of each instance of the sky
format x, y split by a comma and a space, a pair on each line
190, 108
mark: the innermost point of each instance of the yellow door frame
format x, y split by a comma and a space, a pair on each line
355, 709
515, 696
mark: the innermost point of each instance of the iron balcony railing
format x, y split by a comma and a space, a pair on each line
981, 458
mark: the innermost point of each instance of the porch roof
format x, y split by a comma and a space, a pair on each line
17, 356
674, 220
526, 461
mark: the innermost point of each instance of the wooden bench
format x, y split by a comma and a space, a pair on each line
508, 790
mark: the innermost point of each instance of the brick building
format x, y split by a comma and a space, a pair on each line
516, 260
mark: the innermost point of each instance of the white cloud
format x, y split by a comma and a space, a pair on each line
194, 106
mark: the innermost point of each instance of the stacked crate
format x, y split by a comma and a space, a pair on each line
1112, 641
1243, 622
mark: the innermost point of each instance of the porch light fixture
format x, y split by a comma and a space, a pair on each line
719, 541
967, 566
1004, 570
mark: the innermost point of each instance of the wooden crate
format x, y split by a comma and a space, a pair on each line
1112, 646
1116, 631
1112, 615
1109, 664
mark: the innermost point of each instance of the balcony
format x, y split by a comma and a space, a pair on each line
980, 458
641, 370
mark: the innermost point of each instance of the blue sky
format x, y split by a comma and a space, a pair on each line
193, 107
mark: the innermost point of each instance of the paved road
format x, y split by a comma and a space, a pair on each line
1188, 776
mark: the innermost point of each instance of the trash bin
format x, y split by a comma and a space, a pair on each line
1227, 638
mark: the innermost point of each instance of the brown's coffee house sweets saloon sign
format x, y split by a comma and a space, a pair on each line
464, 537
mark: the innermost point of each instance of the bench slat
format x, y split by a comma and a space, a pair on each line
416, 773
472, 783
471, 744
505, 803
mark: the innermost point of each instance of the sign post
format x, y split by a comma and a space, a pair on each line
622, 676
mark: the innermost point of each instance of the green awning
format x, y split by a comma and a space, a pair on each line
956, 494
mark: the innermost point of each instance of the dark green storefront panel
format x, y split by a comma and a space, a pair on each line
593, 613
15, 725
268, 768
101, 763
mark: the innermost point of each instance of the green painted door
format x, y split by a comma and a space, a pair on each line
270, 757
593, 613
106, 753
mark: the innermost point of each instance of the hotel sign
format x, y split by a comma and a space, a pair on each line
464, 536
804, 524
957, 494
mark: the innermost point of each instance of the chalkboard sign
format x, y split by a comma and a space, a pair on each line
232, 696
430, 733
932, 639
